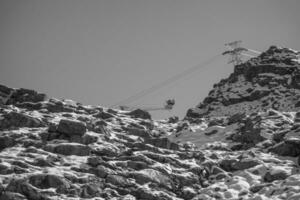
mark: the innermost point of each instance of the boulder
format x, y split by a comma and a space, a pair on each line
139, 113
71, 127
69, 149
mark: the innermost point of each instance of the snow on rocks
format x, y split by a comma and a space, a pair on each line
240, 143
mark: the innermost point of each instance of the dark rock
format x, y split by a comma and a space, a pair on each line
30, 105
151, 175
238, 117
289, 147
41, 162
52, 128
91, 190
45, 181
137, 165
103, 115
118, 180
71, 127
94, 161
88, 139
6, 141
250, 132
69, 149
25, 95
234, 164
12, 196
258, 187
110, 151
139, 113
101, 171
163, 143
139, 132
276, 175
16, 120
211, 132
4, 169
279, 136
23, 187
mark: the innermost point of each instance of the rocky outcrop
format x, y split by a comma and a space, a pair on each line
270, 80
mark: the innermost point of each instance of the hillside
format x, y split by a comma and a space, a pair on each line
241, 142
271, 80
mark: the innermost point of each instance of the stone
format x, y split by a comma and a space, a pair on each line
275, 175
151, 175
139, 132
12, 196
69, 149
118, 180
88, 138
45, 181
91, 190
94, 161
235, 164
139, 113
16, 120
71, 127
6, 141
23, 187
163, 143
289, 147
101, 171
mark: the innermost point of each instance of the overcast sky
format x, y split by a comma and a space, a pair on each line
101, 51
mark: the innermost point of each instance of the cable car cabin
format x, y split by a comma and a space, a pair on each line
169, 104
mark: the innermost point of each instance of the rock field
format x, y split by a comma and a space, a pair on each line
242, 142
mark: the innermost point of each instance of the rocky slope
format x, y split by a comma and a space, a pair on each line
271, 80
61, 149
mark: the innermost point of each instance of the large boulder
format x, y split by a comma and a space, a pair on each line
71, 127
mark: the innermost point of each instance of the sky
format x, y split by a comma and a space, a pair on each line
100, 52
